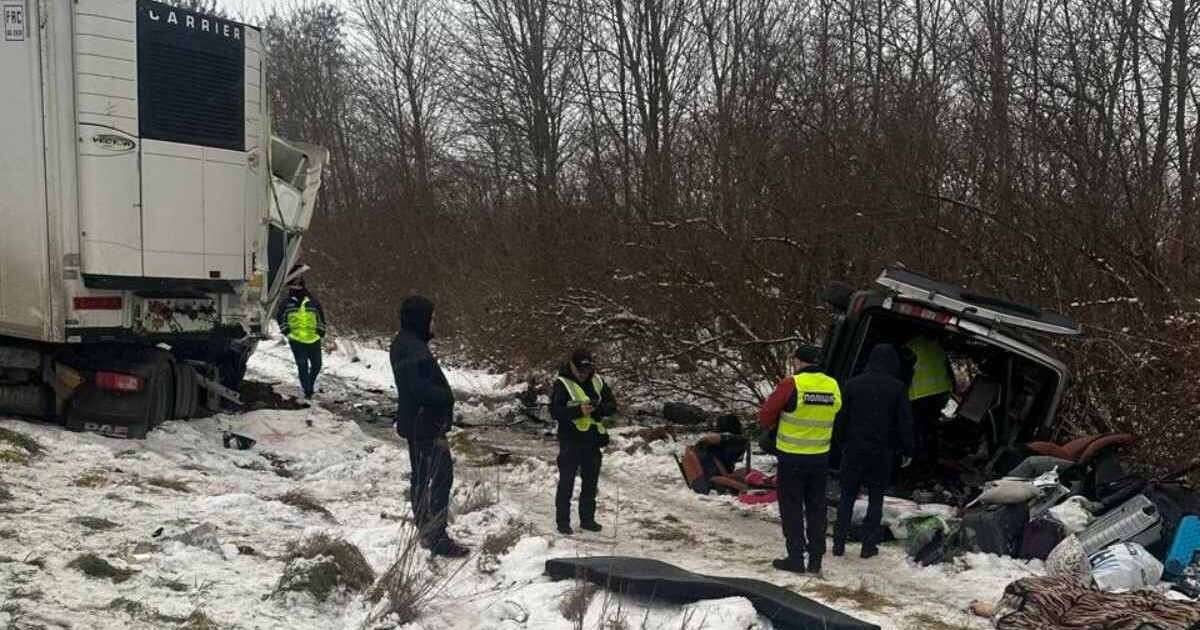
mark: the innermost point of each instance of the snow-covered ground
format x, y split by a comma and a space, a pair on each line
150, 492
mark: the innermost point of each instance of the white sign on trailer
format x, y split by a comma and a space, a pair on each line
14, 21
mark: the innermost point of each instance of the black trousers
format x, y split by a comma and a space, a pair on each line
432, 476
584, 460
863, 467
802, 506
926, 414
308, 364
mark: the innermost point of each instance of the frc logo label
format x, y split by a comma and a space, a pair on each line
14, 21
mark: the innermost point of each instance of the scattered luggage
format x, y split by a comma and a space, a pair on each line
1124, 567
1136, 521
1185, 547
1040, 537
996, 528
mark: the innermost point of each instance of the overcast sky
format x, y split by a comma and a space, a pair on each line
251, 11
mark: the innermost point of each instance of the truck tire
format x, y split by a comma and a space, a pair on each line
187, 396
162, 381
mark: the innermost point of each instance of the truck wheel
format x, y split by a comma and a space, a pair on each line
162, 382
186, 391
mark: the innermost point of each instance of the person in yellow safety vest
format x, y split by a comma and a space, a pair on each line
930, 380
801, 412
579, 402
303, 323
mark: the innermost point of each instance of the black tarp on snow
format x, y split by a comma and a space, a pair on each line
662, 581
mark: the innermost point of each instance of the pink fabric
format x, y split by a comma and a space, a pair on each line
759, 497
758, 479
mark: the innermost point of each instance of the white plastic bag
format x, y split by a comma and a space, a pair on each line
1073, 516
1124, 567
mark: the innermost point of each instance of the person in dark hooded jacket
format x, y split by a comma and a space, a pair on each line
424, 413
873, 426
579, 401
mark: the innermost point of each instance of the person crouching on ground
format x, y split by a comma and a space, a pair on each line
874, 425
579, 402
717, 455
801, 411
302, 321
424, 413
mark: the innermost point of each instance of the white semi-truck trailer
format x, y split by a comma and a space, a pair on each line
148, 218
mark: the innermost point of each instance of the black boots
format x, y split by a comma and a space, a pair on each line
565, 530
591, 526
448, 548
814, 565
839, 548
789, 565
869, 551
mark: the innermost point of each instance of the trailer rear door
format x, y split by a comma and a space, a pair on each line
24, 246
918, 288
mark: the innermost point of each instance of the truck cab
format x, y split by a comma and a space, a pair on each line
1007, 385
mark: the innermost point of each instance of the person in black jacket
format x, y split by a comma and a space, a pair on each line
424, 412
874, 424
578, 403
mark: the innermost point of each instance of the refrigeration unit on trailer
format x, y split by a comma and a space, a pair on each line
149, 216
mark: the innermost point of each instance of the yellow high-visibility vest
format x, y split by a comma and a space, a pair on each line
580, 397
930, 376
302, 324
808, 429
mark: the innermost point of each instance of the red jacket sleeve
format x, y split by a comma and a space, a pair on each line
768, 415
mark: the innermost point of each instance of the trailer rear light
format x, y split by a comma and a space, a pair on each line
929, 314
117, 382
99, 303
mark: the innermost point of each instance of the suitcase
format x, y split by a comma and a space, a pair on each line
1040, 537
996, 528
1136, 521
1184, 547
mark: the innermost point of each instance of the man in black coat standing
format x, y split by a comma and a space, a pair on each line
424, 412
873, 426
579, 401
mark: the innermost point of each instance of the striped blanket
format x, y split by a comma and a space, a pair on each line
1057, 603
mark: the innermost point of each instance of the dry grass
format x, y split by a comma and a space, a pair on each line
13, 456
926, 621
278, 464
199, 620
22, 441
95, 524
177, 485
409, 585
862, 597
96, 567
140, 611
305, 502
503, 541
668, 529
474, 499
574, 603
321, 565
91, 479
